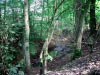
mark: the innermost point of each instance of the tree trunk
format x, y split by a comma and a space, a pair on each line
80, 12
0, 17
44, 52
92, 17
4, 12
26, 38
92, 37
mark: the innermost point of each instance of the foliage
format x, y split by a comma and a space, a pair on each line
16, 69
48, 58
98, 11
42, 17
53, 53
32, 48
76, 53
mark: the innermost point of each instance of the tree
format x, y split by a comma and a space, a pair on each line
92, 17
81, 8
26, 38
51, 30
92, 36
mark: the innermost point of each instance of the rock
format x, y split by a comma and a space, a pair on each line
58, 48
84, 73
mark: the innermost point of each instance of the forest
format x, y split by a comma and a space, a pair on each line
49, 37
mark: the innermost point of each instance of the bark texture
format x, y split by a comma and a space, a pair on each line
26, 38
80, 12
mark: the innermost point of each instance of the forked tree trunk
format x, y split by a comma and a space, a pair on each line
26, 38
44, 52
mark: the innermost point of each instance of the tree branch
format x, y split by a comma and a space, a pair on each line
55, 10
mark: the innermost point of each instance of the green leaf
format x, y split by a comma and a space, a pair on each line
49, 57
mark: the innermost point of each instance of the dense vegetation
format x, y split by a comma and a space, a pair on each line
41, 35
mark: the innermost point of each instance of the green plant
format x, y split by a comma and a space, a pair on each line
53, 53
17, 69
76, 53
12, 71
32, 48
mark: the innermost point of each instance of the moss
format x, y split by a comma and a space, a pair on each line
76, 54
